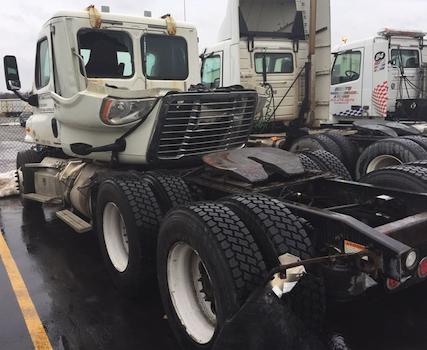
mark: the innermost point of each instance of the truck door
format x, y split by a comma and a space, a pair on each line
403, 74
212, 70
280, 74
347, 84
44, 84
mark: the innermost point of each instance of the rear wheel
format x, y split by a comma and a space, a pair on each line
25, 180
388, 152
317, 142
170, 190
277, 232
328, 162
127, 217
405, 177
208, 265
348, 149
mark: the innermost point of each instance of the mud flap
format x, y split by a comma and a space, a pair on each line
266, 322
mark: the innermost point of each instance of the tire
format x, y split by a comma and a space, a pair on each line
171, 191
26, 182
128, 216
388, 152
419, 140
307, 163
328, 162
314, 143
277, 231
420, 163
229, 267
348, 149
408, 178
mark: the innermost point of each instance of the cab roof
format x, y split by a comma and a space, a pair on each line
116, 17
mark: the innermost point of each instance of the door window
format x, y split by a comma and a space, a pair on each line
42, 64
405, 58
346, 67
278, 63
211, 71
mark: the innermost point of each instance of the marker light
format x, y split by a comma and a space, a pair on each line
392, 284
410, 260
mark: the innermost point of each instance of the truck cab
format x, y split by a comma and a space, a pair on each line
381, 77
264, 45
108, 84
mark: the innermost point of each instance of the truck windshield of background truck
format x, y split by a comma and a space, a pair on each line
346, 67
164, 57
276, 62
211, 71
405, 58
106, 53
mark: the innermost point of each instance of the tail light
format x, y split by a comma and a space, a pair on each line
422, 268
392, 284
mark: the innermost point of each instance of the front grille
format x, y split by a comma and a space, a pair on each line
193, 124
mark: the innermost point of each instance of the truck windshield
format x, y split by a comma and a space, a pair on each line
164, 57
405, 58
106, 53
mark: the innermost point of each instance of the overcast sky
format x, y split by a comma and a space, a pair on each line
20, 20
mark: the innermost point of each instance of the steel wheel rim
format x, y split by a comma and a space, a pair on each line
382, 161
115, 236
186, 291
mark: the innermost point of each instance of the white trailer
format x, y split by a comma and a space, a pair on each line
381, 77
266, 45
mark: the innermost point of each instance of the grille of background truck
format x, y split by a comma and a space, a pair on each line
194, 124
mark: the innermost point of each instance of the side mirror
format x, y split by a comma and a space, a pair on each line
11, 73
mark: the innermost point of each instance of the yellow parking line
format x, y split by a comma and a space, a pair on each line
32, 319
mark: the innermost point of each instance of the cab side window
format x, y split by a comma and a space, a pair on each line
211, 73
346, 67
42, 64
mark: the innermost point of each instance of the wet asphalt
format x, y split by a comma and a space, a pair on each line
80, 308
70, 289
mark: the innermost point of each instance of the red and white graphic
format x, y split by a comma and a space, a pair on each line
380, 99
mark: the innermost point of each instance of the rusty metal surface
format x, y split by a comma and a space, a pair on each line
255, 164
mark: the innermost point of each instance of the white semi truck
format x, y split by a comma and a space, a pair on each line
264, 44
381, 77
283, 48
124, 145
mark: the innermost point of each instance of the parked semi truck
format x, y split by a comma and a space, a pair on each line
266, 45
126, 146
381, 77
273, 52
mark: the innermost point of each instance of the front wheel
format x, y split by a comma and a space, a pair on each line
26, 180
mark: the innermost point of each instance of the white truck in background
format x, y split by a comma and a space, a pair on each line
265, 44
381, 77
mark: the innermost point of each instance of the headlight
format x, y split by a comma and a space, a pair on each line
118, 112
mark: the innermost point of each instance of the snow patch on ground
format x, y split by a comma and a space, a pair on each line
8, 184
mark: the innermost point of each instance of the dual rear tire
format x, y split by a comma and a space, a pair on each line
209, 257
